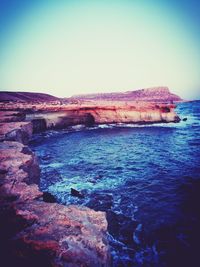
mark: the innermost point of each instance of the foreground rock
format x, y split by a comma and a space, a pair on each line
37, 233
68, 234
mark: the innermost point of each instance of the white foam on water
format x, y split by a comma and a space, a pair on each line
55, 165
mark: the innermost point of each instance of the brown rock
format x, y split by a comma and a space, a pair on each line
11, 116
71, 235
76, 193
20, 167
16, 131
35, 233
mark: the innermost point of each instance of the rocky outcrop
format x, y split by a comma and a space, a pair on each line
102, 113
20, 163
69, 235
133, 114
16, 131
46, 116
38, 233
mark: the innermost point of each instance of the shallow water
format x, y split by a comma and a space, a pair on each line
147, 179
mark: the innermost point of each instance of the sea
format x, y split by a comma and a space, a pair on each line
145, 177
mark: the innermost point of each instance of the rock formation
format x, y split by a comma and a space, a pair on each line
46, 116
38, 233
16, 131
101, 113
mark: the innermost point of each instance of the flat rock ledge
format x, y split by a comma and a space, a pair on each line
37, 233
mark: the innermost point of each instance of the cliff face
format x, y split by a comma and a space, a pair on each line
37, 233
101, 113
47, 116
132, 114
16, 131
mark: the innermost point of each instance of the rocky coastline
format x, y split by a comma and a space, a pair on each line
35, 231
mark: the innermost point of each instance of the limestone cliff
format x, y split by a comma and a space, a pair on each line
100, 113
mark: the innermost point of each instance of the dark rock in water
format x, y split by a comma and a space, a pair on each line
48, 197
121, 227
184, 119
76, 193
100, 202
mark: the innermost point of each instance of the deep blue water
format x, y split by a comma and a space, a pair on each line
146, 178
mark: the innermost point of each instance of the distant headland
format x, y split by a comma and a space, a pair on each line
153, 94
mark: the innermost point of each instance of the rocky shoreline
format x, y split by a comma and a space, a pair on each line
34, 231
38, 232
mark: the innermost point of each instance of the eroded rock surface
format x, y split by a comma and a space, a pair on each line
73, 235
37, 233
16, 131
89, 114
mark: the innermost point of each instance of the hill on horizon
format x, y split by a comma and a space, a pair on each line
26, 97
154, 94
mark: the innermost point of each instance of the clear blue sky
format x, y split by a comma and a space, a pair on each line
67, 47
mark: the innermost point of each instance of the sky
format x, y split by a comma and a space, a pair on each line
68, 47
